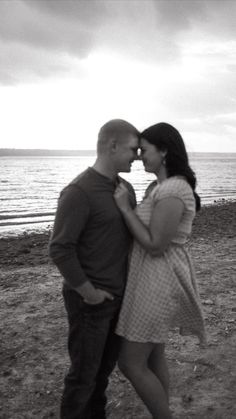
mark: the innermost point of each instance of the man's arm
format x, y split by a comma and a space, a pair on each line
71, 217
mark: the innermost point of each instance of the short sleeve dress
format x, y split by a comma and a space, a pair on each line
161, 292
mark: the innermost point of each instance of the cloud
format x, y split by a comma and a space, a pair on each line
77, 28
178, 16
32, 65
21, 22
129, 28
86, 12
147, 31
207, 15
176, 57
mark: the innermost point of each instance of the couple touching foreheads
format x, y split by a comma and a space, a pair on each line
128, 278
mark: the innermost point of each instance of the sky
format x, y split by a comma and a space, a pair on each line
69, 66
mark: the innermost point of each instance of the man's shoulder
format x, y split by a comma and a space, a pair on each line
81, 178
79, 183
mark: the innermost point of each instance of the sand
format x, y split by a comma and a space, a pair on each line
34, 328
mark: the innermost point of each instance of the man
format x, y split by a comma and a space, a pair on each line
89, 245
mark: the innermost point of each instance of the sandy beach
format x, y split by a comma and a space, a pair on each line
33, 331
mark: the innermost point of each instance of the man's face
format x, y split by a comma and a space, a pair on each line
126, 153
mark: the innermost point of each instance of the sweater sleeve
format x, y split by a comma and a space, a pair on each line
70, 220
173, 188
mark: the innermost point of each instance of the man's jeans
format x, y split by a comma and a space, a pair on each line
93, 349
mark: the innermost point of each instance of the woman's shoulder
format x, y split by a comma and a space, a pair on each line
174, 186
176, 183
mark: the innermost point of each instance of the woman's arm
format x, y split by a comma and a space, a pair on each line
163, 224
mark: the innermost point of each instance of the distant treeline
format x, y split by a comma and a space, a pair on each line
44, 152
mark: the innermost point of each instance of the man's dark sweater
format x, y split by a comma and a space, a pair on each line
90, 240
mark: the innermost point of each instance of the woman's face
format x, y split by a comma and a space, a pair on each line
152, 157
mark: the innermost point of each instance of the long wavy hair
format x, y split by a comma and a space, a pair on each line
166, 138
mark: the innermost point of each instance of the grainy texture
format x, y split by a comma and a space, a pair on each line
33, 327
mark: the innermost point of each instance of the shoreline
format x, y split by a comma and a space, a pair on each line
19, 229
32, 247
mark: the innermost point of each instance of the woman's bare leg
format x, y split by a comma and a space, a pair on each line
133, 362
158, 365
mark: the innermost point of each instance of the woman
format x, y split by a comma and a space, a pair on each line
161, 292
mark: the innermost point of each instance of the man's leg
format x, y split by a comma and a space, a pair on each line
110, 357
89, 328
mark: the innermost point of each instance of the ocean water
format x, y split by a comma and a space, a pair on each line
30, 186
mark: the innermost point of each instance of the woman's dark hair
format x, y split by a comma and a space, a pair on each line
166, 138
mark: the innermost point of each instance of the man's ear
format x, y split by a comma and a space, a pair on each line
113, 146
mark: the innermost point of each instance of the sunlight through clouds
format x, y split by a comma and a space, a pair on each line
67, 67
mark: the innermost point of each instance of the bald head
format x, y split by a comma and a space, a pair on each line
115, 130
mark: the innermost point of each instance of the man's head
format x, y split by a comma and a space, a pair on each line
119, 141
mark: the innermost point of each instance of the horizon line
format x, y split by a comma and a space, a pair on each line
29, 151
74, 149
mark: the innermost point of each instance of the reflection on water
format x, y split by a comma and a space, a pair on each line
29, 186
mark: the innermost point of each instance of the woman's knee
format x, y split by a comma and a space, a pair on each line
127, 367
123, 366
131, 369
133, 359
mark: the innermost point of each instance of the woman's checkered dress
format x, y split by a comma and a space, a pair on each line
161, 292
